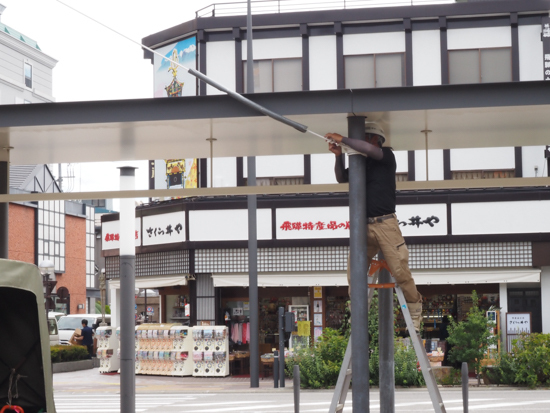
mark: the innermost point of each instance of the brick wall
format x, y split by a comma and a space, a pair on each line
74, 278
21, 233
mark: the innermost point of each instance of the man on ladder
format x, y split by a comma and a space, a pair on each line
383, 228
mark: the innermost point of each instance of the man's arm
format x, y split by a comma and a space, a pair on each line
339, 168
372, 151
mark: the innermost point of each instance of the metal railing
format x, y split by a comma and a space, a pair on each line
293, 6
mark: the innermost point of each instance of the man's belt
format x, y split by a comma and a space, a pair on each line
380, 219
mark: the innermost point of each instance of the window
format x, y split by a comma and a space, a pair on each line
276, 75
480, 65
28, 75
374, 70
484, 174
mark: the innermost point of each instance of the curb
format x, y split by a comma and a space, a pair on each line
72, 366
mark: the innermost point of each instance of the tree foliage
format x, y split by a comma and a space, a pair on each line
472, 337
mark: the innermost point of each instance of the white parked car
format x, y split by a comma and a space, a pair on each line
68, 323
53, 330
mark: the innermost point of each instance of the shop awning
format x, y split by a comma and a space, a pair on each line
436, 277
282, 279
153, 282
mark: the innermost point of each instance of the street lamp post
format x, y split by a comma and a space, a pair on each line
46, 269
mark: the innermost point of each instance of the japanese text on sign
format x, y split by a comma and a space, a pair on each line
417, 221
313, 226
162, 231
116, 237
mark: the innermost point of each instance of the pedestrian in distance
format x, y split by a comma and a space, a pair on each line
383, 228
86, 338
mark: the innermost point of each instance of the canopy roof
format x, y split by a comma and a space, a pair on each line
458, 116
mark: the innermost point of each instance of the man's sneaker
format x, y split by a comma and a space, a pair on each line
416, 314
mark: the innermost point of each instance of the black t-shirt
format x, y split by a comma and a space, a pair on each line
381, 184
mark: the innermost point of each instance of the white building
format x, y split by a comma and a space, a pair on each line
25, 70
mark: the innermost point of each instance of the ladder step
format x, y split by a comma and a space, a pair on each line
348, 372
340, 407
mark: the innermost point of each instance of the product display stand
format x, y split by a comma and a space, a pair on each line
163, 349
107, 345
210, 351
344, 378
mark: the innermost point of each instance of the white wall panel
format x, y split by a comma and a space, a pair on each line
435, 167
530, 53
322, 63
424, 211
369, 43
220, 65
322, 169
110, 234
274, 48
482, 158
479, 37
501, 218
426, 53
164, 228
227, 225
277, 166
533, 156
312, 223
402, 160
225, 172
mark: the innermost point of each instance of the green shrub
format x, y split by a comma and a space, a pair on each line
406, 371
532, 359
453, 379
320, 364
61, 354
472, 337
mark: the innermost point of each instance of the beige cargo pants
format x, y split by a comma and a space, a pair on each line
386, 236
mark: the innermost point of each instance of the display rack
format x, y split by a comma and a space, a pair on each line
210, 351
107, 346
163, 349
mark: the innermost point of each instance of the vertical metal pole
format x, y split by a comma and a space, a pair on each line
359, 269
385, 340
145, 303
253, 279
127, 293
281, 317
296, 388
465, 380
4, 207
276, 369
252, 231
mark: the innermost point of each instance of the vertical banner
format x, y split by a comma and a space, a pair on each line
170, 79
545, 21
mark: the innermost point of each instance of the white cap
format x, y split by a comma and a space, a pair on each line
374, 128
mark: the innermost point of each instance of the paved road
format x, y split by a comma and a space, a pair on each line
490, 401
90, 392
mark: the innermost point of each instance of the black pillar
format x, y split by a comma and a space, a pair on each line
4, 216
359, 269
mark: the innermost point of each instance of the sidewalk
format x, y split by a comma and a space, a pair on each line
93, 382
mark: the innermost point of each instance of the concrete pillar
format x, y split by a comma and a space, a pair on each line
127, 293
4, 206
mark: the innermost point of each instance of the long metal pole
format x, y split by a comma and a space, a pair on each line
385, 340
281, 318
127, 294
252, 232
359, 269
4, 207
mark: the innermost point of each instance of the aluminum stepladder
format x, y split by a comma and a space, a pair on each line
344, 378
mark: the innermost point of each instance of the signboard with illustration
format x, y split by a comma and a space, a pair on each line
172, 80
